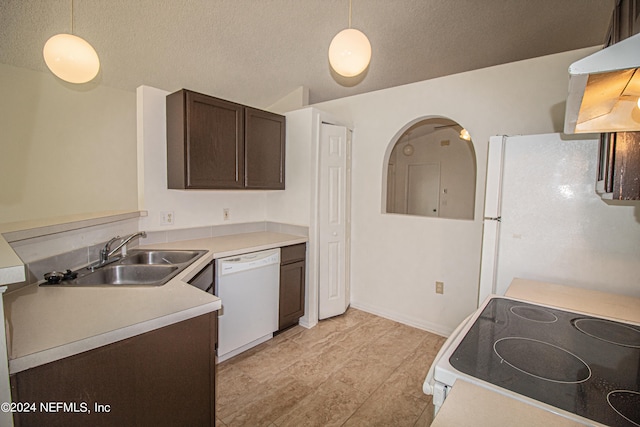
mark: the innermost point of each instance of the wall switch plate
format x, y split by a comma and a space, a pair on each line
439, 287
225, 214
167, 218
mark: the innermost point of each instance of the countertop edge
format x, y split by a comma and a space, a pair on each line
46, 356
469, 404
264, 247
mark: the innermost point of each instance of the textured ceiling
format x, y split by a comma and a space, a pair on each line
257, 51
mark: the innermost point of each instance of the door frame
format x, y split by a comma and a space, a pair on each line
310, 319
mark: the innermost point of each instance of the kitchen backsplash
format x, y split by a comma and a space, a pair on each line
51, 253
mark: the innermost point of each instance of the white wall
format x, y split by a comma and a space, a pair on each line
292, 206
396, 259
191, 208
64, 149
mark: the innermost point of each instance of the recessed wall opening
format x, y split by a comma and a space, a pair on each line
431, 171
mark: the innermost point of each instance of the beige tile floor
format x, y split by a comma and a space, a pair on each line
357, 369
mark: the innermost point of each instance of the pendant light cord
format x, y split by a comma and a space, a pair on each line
71, 17
349, 13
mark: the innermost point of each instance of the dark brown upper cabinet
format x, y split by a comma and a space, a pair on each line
264, 149
619, 166
625, 21
218, 144
619, 157
205, 142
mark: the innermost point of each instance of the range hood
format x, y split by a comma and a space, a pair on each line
604, 89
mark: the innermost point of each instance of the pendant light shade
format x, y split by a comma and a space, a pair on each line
71, 58
349, 52
407, 150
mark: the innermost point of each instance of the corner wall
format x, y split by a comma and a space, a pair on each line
65, 149
397, 259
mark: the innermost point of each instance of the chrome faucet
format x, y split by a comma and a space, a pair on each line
107, 252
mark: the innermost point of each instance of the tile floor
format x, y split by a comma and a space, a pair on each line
357, 369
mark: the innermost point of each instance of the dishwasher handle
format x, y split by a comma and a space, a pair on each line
249, 261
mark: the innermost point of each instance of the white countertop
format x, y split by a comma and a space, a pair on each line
471, 405
614, 306
44, 324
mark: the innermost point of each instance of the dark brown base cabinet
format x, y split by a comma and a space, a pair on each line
164, 377
218, 144
292, 283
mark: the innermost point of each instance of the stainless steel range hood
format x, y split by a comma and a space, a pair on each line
604, 90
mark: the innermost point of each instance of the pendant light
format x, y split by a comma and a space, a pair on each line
70, 57
407, 150
349, 51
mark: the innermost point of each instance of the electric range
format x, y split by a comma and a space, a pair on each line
579, 366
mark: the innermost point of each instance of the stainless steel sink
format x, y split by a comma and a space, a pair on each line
160, 257
133, 275
140, 267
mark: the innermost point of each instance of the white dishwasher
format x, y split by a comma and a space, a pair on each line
249, 287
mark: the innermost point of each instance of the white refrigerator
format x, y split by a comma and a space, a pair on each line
544, 221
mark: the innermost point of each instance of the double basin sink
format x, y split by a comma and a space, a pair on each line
138, 268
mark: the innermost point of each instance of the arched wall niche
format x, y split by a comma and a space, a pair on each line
429, 170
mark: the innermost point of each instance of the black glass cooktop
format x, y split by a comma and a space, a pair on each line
584, 365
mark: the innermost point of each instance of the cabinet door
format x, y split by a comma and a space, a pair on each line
264, 150
164, 377
205, 142
626, 164
635, 16
292, 278
625, 21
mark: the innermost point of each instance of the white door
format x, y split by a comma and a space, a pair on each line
423, 189
333, 220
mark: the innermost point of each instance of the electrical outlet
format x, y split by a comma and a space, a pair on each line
225, 214
167, 218
439, 287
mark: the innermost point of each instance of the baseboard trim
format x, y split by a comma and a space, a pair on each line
401, 318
